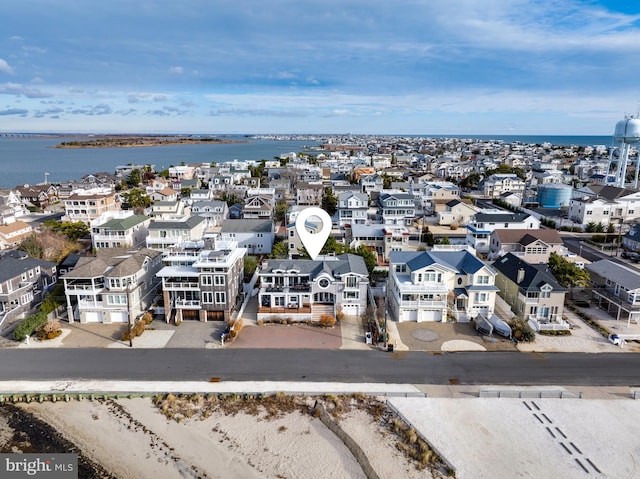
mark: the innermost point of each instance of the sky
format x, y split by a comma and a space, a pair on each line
537, 67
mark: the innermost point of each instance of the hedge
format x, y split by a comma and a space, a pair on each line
29, 325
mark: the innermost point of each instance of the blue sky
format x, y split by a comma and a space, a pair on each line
560, 67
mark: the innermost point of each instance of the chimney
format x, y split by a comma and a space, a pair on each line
520, 275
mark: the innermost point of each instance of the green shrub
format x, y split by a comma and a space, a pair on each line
29, 325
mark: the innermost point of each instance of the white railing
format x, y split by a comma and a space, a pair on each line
426, 304
540, 324
87, 304
173, 286
187, 303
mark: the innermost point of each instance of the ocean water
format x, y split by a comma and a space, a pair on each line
26, 159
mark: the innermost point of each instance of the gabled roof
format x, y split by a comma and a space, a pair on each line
335, 267
123, 224
618, 273
612, 192
507, 217
188, 224
526, 236
247, 226
458, 261
15, 263
111, 262
534, 276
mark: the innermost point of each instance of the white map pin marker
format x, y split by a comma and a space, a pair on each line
313, 242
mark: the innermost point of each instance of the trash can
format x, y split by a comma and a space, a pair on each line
390, 348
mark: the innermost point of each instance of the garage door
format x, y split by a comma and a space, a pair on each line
434, 315
118, 316
351, 309
410, 315
93, 316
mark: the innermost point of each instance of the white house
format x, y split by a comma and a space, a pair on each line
255, 235
483, 223
435, 285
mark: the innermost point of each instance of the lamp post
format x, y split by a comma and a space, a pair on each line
129, 313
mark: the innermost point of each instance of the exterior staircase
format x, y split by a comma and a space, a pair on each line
318, 310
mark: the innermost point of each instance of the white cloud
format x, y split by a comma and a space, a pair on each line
5, 68
177, 70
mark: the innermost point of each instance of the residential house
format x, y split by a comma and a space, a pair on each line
616, 289
255, 235
11, 207
202, 194
532, 292
430, 285
457, 213
532, 246
12, 234
303, 290
40, 196
382, 239
313, 224
631, 240
24, 281
352, 208
119, 229
164, 195
115, 286
309, 194
215, 211
397, 208
164, 235
607, 204
483, 223
496, 184
370, 183
259, 206
204, 286
88, 205
170, 210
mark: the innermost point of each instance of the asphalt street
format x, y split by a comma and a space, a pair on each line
471, 368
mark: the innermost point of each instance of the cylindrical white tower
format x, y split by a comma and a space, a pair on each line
627, 133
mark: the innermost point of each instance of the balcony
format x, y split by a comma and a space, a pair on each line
423, 304
80, 288
296, 288
187, 304
181, 286
84, 304
291, 309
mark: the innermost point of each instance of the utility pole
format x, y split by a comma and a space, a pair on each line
129, 309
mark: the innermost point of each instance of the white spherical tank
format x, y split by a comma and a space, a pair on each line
627, 130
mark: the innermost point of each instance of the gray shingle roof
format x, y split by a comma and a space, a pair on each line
621, 274
247, 226
535, 276
15, 263
342, 264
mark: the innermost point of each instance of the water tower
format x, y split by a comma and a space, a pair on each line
627, 133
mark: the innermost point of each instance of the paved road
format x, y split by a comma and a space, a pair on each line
503, 368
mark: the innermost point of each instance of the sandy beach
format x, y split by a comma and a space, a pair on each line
178, 438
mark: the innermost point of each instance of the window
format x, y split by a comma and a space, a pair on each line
351, 295
218, 280
481, 297
323, 283
545, 294
351, 282
221, 297
532, 294
482, 279
207, 297
206, 280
